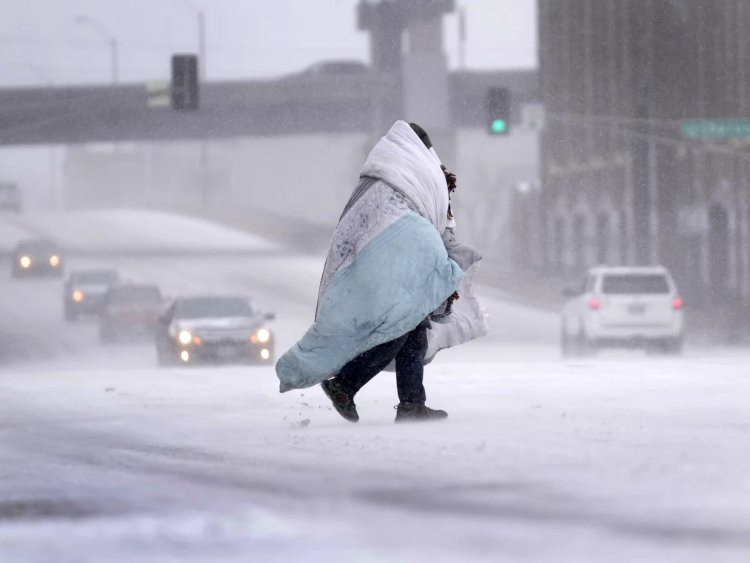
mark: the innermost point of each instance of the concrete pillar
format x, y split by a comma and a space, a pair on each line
425, 84
384, 22
411, 85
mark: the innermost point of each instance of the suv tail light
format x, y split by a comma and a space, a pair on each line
595, 304
677, 303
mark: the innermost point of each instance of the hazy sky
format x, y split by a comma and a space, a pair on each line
40, 41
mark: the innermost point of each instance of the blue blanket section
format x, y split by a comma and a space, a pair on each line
395, 281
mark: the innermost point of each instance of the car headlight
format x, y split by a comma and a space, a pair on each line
184, 337
263, 335
54, 261
78, 296
25, 261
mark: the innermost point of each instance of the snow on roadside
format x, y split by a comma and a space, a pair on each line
134, 230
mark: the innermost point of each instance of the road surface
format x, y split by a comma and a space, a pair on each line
105, 457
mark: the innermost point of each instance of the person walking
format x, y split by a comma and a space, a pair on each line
388, 271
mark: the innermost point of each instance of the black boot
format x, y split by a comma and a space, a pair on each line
417, 412
342, 402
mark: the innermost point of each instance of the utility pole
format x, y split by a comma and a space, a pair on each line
201, 45
202, 76
203, 151
109, 39
201, 19
462, 38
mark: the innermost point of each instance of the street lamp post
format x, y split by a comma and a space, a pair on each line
108, 38
202, 45
114, 61
199, 14
461, 39
203, 158
53, 195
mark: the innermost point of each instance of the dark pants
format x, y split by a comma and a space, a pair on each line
408, 351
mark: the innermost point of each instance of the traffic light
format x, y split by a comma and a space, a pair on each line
184, 82
498, 110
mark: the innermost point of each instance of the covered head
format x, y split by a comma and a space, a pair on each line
422, 134
405, 159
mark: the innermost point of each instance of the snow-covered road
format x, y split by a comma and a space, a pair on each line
104, 457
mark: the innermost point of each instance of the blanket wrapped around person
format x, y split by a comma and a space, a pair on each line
387, 268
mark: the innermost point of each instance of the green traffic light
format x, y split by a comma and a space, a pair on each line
499, 126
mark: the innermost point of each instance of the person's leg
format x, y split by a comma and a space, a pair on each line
355, 374
359, 371
410, 366
409, 379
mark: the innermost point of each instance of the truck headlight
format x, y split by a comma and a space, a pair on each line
263, 335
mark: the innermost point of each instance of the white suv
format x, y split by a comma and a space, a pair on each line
623, 306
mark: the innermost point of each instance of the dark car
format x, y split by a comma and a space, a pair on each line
214, 329
130, 310
37, 257
84, 291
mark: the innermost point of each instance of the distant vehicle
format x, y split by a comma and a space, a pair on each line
10, 196
330, 69
213, 329
37, 257
337, 67
130, 310
84, 291
623, 307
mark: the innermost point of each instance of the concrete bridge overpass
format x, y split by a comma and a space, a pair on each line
302, 103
